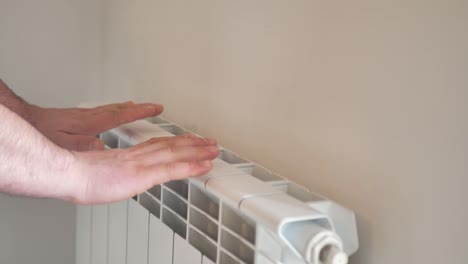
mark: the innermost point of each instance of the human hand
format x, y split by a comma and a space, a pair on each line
76, 128
31, 165
113, 175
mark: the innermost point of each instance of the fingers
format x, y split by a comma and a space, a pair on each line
119, 177
77, 142
126, 172
156, 144
174, 158
180, 154
106, 117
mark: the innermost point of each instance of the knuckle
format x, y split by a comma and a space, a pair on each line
177, 171
177, 141
203, 141
97, 144
170, 171
169, 167
171, 150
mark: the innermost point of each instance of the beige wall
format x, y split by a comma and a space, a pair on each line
362, 101
51, 50
50, 53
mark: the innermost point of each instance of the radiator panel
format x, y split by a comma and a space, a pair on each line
137, 232
184, 253
161, 242
99, 230
117, 244
83, 234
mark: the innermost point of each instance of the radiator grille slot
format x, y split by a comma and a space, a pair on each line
175, 222
175, 203
205, 202
203, 244
204, 224
239, 224
151, 204
237, 247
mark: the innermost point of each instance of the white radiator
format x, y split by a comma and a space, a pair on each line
238, 213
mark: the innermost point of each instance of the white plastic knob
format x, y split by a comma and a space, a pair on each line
333, 255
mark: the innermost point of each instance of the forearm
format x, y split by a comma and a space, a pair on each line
30, 164
15, 103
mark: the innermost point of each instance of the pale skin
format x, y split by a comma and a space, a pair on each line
54, 153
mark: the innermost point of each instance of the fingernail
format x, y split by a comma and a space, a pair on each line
154, 107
